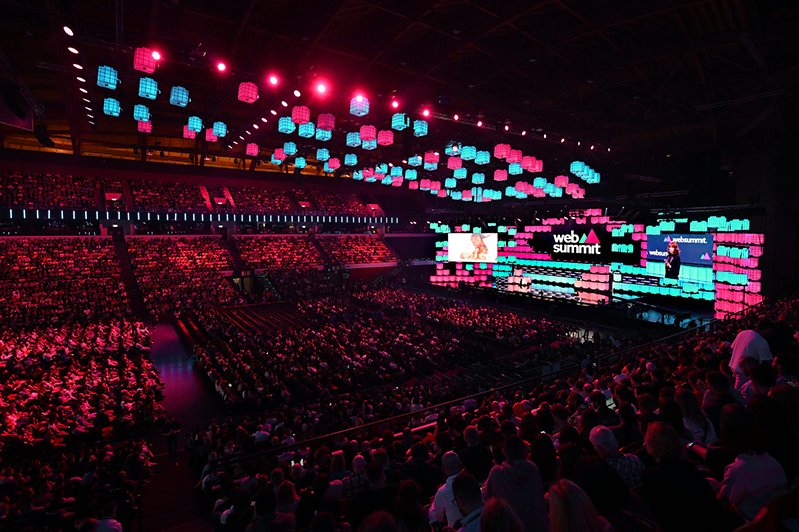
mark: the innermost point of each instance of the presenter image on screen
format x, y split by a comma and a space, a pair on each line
480, 251
673, 261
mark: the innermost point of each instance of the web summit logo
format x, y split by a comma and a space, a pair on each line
587, 244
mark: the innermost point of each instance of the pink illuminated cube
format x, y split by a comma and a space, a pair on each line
514, 156
430, 157
145, 127
248, 92
300, 114
209, 135
188, 133
501, 151
326, 122
279, 154
413, 185
368, 133
333, 163
453, 163
385, 137
252, 149
500, 175
561, 181
143, 60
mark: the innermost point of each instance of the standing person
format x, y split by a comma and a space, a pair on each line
172, 431
673, 261
749, 344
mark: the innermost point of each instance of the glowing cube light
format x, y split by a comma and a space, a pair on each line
107, 77
148, 88
381, 168
306, 130
561, 181
419, 128
252, 149
323, 134
334, 163
368, 133
410, 174
468, 153
195, 124
141, 113
528, 163
500, 175
369, 144
188, 133
399, 121
143, 60
326, 122
357, 175
300, 114
539, 182
289, 148
276, 162
396, 171
285, 125
460, 173
430, 167
111, 107
478, 178
515, 169
350, 159
482, 157
209, 135
385, 137
450, 182
515, 156
430, 157
416, 160
299, 162
322, 154
413, 185
353, 139
220, 129
248, 92
501, 151
179, 96
453, 163
279, 154
359, 105
453, 148
145, 127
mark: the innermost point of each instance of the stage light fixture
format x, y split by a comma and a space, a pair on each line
524, 132
274, 113
156, 55
76, 65
456, 117
321, 88
90, 116
592, 146
87, 100
284, 103
545, 135
87, 107
297, 93
479, 123
68, 31
426, 112
273, 80
73, 50
264, 120
80, 79
84, 91
395, 104
221, 67
255, 126
562, 140
507, 127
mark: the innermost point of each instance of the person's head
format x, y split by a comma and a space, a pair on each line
571, 509
358, 464
471, 436
466, 493
451, 463
674, 248
604, 441
498, 515
739, 431
688, 402
662, 442
379, 522
515, 448
477, 239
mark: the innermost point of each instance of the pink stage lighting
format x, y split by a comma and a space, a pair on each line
456, 117
156, 55
321, 88
273, 80
426, 112
395, 104
220, 66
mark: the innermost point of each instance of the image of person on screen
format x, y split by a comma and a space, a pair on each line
673, 261
480, 251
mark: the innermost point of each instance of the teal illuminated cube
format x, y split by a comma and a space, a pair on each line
478, 178
148, 88
419, 128
289, 148
460, 173
220, 129
350, 159
141, 113
286, 125
195, 124
411, 174
322, 154
416, 160
369, 144
107, 78
353, 139
299, 162
111, 107
306, 130
399, 121
468, 153
396, 171
323, 135
482, 157
179, 96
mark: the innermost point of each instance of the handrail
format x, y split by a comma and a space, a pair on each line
437, 407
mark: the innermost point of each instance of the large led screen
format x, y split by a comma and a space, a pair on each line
472, 247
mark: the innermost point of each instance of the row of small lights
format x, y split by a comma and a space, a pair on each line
83, 89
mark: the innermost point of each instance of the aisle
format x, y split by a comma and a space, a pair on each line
171, 500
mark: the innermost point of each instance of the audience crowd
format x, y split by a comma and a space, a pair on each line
169, 196
347, 204
279, 252
24, 190
356, 249
698, 434
51, 280
257, 200
177, 274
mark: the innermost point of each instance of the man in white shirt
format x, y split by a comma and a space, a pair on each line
444, 507
748, 344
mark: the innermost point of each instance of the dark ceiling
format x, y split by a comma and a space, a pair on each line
641, 78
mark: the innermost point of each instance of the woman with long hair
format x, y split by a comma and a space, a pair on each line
571, 510
673, 261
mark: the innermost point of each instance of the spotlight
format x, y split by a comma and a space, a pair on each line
84, 91
256, 126
395, 104
479, 123
426, 112
220, 66
263, 119
274, 113
87, 100
359, 98
507, 127
68, 31
157, 55
284, 103
456, 117
321, 88
592, 146
73, 50
81, 79
87, 108
545, 135
77, 66
90, 116
297, 93
562, 140
608, 149
524, 132
578, 142
248, 132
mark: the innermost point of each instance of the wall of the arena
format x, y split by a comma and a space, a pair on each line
591, 258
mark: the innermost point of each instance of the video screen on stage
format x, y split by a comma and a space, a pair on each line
472, 247
693, 249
